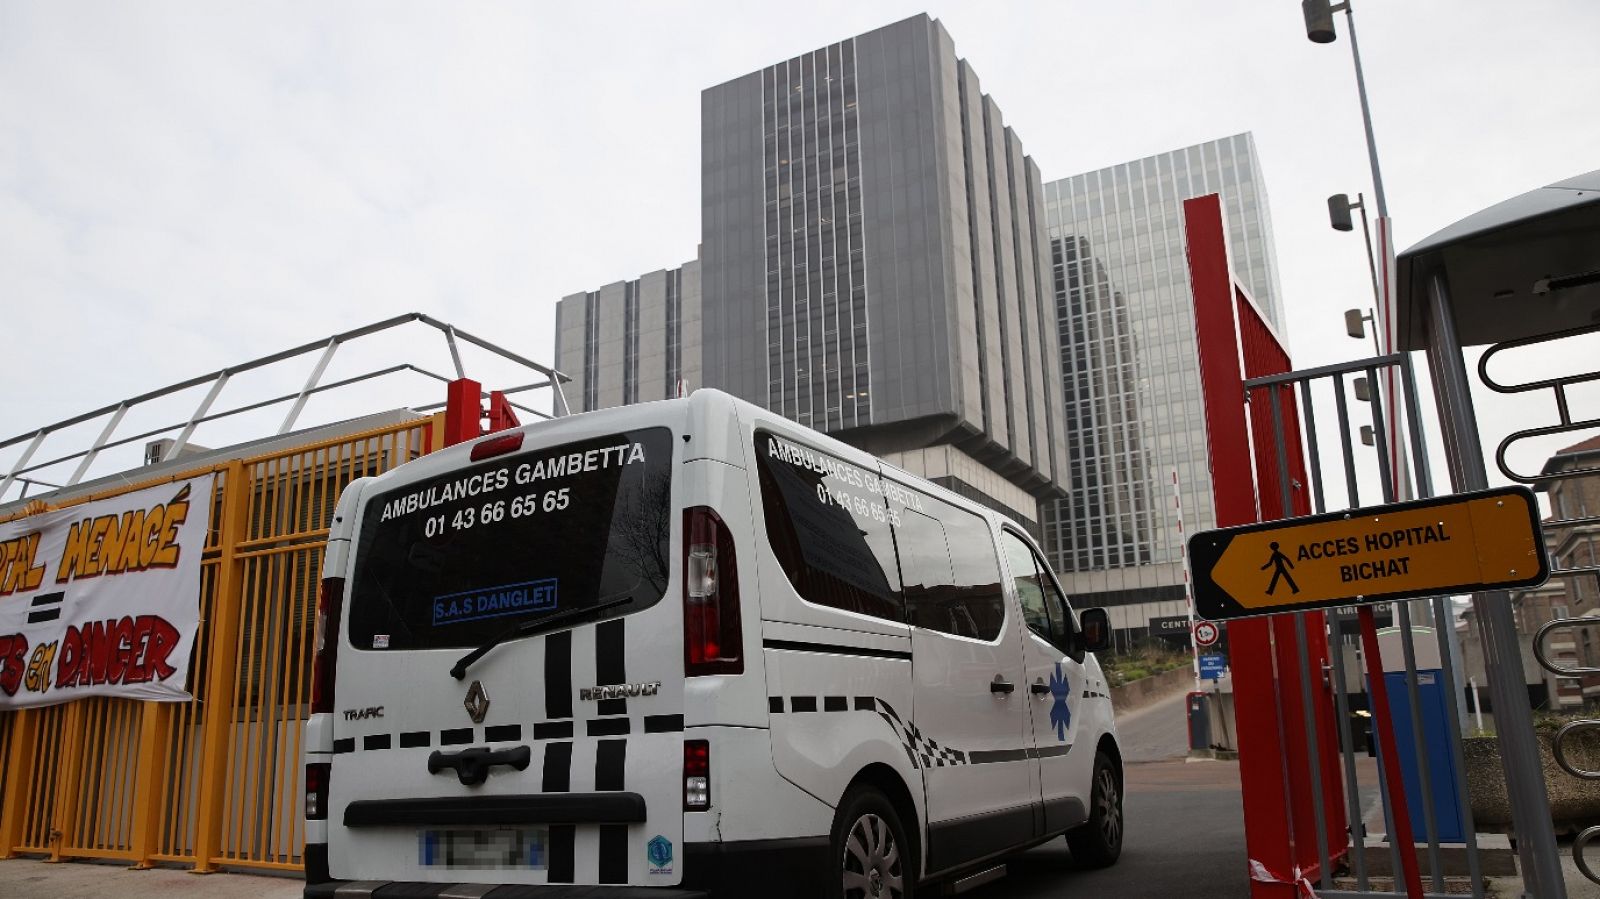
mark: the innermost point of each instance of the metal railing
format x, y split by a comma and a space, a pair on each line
1292, 400
216, 381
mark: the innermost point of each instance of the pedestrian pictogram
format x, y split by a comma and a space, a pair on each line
1455, 544
1206, 634
1280, 565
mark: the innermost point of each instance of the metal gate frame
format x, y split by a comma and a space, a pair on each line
1261, 418
215, 781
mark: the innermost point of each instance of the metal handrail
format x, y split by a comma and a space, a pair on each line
1551, 626
1558, 386
24, 464
1558, 747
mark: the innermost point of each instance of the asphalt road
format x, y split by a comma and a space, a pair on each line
1185, 837
1185, 826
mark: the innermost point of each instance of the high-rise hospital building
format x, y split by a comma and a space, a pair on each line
873, 264
880, 260
1130, 367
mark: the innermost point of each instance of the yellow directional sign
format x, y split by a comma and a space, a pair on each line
1453, 544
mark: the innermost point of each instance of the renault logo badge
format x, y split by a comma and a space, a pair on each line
477, 702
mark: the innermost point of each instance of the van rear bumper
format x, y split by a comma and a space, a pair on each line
768, 868
362, 889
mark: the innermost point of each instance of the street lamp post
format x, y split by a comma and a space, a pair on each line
1339, 207
1537, 850
1319, 28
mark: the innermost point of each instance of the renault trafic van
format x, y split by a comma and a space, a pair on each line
686, 648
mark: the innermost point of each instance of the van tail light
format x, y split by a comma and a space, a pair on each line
713, 642
496, 446
696, 775
330, 602
317, 777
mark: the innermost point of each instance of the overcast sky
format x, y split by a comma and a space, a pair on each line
184, 186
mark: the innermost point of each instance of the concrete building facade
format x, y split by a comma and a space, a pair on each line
872, 265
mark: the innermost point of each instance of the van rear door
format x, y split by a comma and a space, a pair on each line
556, 756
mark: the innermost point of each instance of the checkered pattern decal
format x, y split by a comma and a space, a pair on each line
924, 752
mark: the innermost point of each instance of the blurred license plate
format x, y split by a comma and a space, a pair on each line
522, 848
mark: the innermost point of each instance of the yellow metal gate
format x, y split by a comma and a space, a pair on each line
216, 780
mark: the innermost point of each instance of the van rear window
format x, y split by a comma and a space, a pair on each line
455, 559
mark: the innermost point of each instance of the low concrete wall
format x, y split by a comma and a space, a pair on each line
1574, 803
1146, 690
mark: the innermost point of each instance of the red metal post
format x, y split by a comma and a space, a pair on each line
1390, 752
463, 411
501, 414
1236, 343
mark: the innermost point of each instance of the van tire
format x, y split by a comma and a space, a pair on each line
869, 846
1097, 843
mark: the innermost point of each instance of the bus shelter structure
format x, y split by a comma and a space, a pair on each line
1521, 273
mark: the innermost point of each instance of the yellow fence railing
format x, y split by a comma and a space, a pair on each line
215, 781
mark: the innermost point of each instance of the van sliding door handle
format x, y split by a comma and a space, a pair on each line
1000, 685
1039, 688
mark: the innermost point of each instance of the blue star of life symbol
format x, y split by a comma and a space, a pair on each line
1060, 714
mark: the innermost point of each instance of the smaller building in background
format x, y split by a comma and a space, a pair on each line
631, 341
1572, 539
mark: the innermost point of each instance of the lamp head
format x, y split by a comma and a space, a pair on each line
1353, 323
1339, 212
1319, 21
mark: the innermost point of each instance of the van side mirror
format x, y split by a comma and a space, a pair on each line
1096, 627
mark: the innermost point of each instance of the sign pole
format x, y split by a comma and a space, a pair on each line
1188, 592
1401, 815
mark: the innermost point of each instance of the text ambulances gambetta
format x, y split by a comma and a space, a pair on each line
847, 486
1446, 545
489, 484
102, 598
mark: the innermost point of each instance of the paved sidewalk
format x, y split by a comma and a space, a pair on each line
22, 878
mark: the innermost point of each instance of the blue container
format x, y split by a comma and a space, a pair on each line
1432, 694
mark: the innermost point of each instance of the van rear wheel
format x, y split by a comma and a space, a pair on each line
871, 855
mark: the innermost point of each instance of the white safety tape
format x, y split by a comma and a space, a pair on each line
1261, 874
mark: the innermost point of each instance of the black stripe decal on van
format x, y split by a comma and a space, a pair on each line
562, 863
610, 666
663, 724
557, 768
553, 730
503, 733
837, 649
558, 675
608, 727
610, 773
348, 744
563, 853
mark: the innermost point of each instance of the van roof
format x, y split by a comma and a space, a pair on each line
630, 414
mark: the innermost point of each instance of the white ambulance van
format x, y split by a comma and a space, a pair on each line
688, 648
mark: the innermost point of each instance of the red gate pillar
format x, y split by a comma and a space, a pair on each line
1236, 343
463, 411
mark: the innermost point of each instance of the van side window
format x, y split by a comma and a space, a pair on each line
950, 570
1044, 609
828, 525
